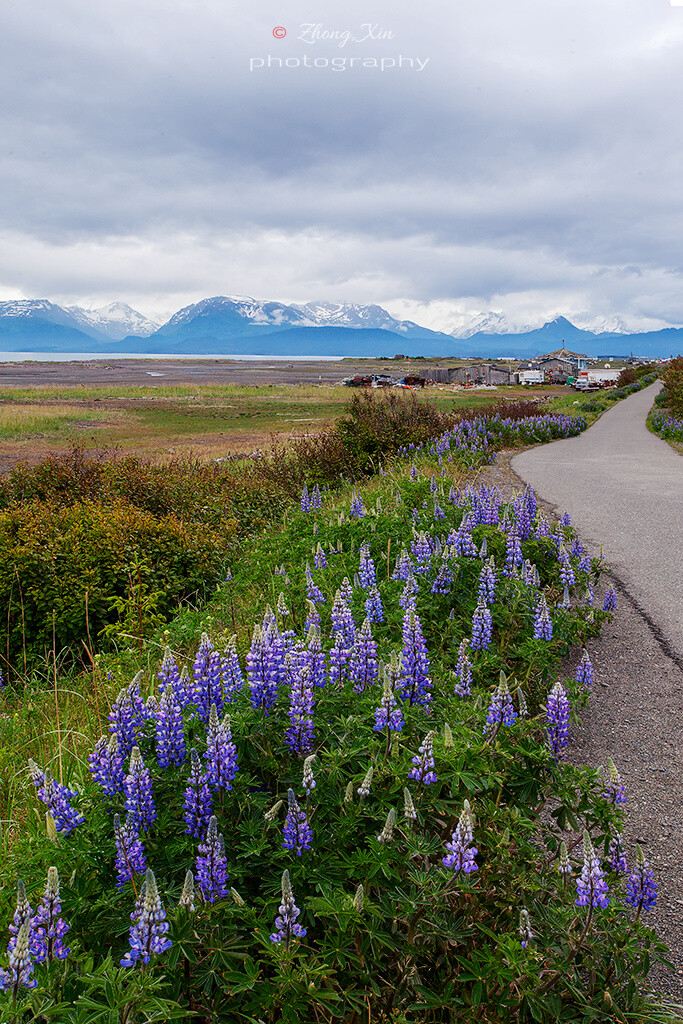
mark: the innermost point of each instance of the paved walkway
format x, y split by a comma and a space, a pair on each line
623, 488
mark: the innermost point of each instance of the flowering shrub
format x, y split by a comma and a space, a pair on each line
330, 818
667, 426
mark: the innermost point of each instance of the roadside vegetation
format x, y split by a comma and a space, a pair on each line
666, 419
386, 822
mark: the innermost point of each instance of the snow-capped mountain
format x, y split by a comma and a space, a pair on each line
116, 321
490, 323
228, 314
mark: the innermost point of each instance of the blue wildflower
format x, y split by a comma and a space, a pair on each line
197, 806
106, 765
221, 753
584, 671
543, 624
461, 853
363, 664
231, 671
641, 889
414, 682
557, 720
137, 787
615, 791
212, 864
374, 609
610, 602
482, 628
388, 715
501, 709
423, 763
463, 670
149, 927
366, 571
615, 855
130, 853
49, 927
286, 924
57, 798
300, 735
170, 734
591, 886
296, 834
208, 687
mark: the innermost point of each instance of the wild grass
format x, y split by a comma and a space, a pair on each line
18, 420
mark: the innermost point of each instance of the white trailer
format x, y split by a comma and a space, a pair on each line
591, 380
531, 377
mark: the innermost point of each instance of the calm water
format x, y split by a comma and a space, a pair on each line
87, 357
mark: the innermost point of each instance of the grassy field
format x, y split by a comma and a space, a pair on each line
208, 420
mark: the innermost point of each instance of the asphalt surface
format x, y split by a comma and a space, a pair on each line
623, 488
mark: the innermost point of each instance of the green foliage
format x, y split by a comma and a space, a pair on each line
672, 379
70, 573
426, 945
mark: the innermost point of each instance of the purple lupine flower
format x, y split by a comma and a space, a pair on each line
339, 659
423, 763
296, 834
461, 855
584, 671
57, 798
319, 558
130, 853
389, 714
221, 753
422, 550
286, 924
413, 472
169, 675
641, 890
501, 710
525, 933
212, 864
262, 671
443, 580
206, 671
567, 576
616, 857
543, 624
231, 671
341, 619
169, 730
305, 500
313, 591
313, 657
312, 617
137, 787
149, 926
482, 628
591, 885
462, 542
357, 509
363, 664
316, 499
414, 682
197, 806
487, 585
563, 865
23, 913
403, 567
49, 927
565, 519
346, 591
463, 671
106, 765
610, 602
300, 736
615, 791
566, 600
410, 590
585, 563
542, 527
20, 962
557, 720
513, 548
366, 570
127, 716
374, 609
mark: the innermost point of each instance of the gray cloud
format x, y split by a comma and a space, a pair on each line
535, 160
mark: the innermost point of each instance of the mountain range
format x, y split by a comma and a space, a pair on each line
240, 325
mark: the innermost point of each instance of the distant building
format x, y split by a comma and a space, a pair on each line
481, 373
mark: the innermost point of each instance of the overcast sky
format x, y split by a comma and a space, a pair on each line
530, 161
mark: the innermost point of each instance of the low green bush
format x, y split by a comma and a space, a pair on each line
672, 379
71, 575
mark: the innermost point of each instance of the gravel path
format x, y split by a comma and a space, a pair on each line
635, 713
623, 487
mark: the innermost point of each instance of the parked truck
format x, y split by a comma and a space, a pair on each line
531, 377
592, 380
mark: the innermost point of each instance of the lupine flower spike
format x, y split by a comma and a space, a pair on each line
557, 721
212, 864
49, 927
501, 710
615, 791
584, 671
296, 834
364, 788
130, 853
525, 933
197, 807
461, 855
149, 928
563, 865
423, 763
286, 924
641, 891
591, 885
137, 787
615, 855
387, 833
186, 900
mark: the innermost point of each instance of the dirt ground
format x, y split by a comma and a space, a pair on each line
634, 716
